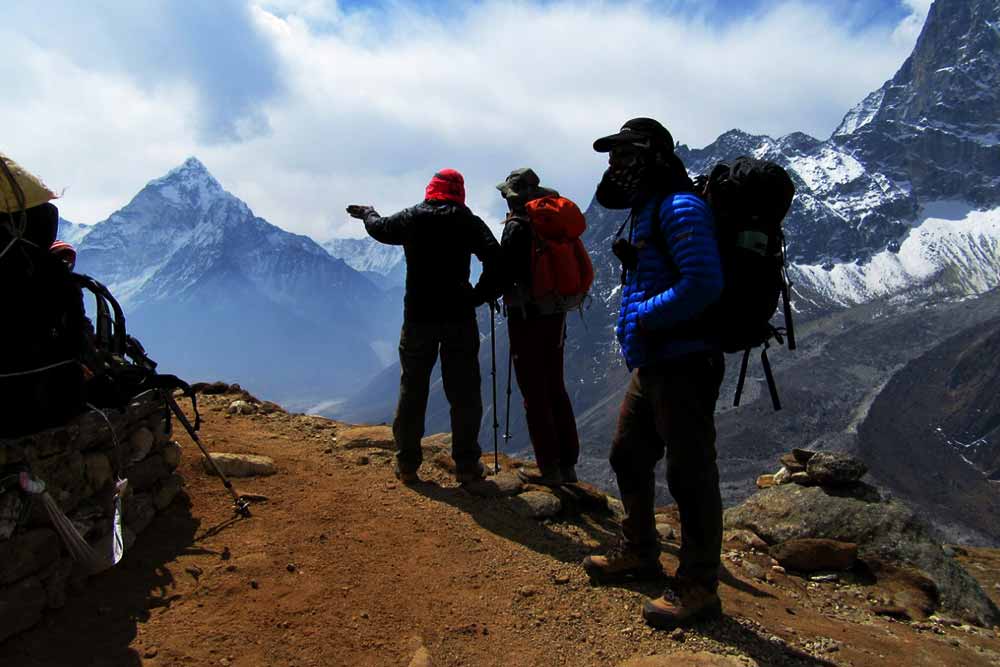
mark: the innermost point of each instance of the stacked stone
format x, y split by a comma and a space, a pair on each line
78, 463
808, 468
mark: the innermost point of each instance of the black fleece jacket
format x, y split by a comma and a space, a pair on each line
439, 239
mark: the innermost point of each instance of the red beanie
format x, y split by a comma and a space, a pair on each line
63, 248
447, 184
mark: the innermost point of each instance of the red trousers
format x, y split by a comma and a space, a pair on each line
537, 346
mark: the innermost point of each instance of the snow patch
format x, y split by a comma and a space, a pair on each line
826, 169
953, 248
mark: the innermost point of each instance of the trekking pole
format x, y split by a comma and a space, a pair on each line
493, 363
510, 363
240, 503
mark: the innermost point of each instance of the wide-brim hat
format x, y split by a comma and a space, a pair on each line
525, 184
640, 132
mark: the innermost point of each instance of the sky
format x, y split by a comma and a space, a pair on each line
300, 107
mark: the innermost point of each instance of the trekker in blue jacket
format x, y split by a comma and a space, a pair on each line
671, 273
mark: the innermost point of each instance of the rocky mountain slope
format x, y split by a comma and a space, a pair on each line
942, 415
212, 289
344, 566
384, 264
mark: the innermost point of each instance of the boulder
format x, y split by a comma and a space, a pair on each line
803, 455
536, 504
139, 512
171, 454
765, 481
883, 530
241, 465
241, 407
168, 490
269, 407
503, 484
147, 473
140, 443
581, 498
10, 512
27, 553
815, 555
64, 478
792, 463
439, 442
98, 470
666, 532
375, 437
833, 469
444, 461
746, 538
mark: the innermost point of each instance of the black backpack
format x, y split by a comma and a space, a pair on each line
750, 199
43, 325
120, 368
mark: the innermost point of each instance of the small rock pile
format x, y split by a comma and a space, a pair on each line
808, 468
78, 463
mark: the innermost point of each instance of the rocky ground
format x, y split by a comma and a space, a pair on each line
342, 565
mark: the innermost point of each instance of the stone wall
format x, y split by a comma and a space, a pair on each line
77, 462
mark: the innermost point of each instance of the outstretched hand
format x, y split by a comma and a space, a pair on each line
359, 211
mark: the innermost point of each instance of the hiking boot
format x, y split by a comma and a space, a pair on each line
406, 475
623, 563
568, 474
692, 604
472, 474
544, 477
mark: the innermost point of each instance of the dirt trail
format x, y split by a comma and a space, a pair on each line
344, 566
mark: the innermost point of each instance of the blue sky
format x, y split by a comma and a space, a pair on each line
302, 106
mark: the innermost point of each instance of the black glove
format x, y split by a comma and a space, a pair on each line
359, 211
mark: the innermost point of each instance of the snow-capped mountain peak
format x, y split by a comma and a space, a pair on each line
189, 185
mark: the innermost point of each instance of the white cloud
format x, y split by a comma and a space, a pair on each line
909, 29
373, 103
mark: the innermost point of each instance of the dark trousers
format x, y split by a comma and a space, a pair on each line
537, 346
671, 406
419, 344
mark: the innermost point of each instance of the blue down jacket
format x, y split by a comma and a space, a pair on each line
668, 288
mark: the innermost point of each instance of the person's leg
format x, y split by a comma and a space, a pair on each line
562, 408
460, 374
531, 352
634, 452
418, 349
685, 396
687, 424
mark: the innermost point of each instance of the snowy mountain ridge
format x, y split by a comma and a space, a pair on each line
366, 254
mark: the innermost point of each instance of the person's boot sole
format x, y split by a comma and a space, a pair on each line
651, 571
656, 619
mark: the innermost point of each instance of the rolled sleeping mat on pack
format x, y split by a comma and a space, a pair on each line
33, 191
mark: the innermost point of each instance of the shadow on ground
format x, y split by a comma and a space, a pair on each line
98, 624
495, 516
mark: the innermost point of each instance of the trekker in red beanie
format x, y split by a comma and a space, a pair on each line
439, 237
447, 185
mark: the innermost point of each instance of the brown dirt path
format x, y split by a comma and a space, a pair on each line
344, 566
